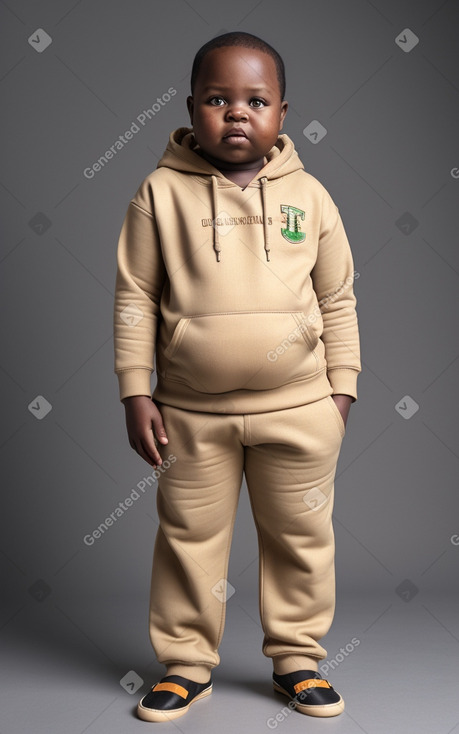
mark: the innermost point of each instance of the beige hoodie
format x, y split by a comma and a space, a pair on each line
244, 297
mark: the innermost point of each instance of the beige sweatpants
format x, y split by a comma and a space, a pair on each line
289, 459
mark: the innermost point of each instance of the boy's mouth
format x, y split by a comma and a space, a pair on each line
236, 135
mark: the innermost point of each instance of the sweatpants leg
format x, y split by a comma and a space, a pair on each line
290, 464
197, 500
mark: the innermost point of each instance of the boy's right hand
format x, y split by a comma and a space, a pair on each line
144, 425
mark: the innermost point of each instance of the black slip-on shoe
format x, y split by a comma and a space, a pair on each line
171, 698
310, 693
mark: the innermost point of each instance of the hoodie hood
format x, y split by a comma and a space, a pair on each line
182, 154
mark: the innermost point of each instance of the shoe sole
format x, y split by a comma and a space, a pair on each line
147, 714
322, 711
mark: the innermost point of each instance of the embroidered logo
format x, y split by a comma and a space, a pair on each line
292, 217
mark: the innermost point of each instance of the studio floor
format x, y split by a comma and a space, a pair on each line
82, 666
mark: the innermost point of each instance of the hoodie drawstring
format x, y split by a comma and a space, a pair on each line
264, 181
216, 235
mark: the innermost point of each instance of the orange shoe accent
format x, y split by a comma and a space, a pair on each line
311, 683
172, 687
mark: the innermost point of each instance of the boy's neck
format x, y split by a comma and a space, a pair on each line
240, 174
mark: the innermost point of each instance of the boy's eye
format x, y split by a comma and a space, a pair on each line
217, 101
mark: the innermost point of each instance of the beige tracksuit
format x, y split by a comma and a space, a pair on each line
244, 301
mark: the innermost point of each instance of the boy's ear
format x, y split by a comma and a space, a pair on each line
284, 108
189, 104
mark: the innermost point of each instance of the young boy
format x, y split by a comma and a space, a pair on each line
235, 274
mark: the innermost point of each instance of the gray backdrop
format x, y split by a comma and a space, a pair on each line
382, 78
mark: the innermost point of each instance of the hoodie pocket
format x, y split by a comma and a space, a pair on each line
248, 350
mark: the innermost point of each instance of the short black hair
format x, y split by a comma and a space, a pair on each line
246, 40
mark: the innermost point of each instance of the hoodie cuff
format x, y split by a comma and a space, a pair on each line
134, 382
343, 382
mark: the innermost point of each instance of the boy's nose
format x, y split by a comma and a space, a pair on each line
236, 113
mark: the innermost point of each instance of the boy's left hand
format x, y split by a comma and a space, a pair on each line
343, 403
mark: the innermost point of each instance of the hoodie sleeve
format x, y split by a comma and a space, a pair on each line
139, 283
333, 278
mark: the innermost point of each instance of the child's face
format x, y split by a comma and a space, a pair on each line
236, 88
